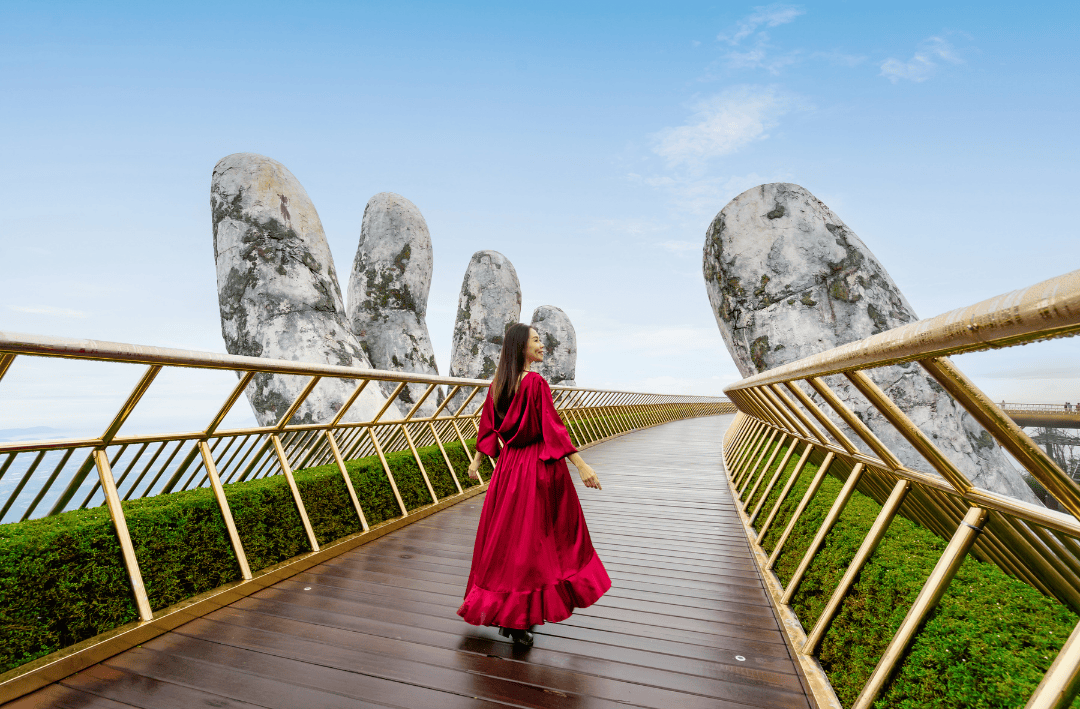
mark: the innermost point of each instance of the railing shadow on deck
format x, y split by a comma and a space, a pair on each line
115, 467
793, 404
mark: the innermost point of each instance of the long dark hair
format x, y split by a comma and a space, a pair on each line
511, 365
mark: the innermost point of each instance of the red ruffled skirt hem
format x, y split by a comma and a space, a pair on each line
552, 603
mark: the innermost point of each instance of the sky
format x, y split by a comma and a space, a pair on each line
591, 143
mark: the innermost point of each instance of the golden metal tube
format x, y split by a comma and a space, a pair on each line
826, 525
907, 428
768, 466
787, 490
449, 465
759, 456
815, 483
296, 403
839, 436
6, 361
743, 445
389, 400
765, 433
420, 402
1043, 311
1064, 489
22, 483
162, 469
245, 379
420, 464
465, 446
1061, 682
223, 507
812, 431
748, 448
349, 402
129, 406
237, 452
768, 413
389, 474
856, 425
1034, 557
866, 550
348, 480
734, 441
48, 484
776, 476
461, 408
928, 598
284, 462
998, 525
780, 406
755, 408
127, 549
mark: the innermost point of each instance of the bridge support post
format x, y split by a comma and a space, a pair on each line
112, 500
928, 598
807, 496
1061, 682
830, 519
776, 476
783, 462
870, 543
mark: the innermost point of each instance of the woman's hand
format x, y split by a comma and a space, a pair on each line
474, 466
588, 476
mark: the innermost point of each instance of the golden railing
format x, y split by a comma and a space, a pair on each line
74, 473
1034, 544
1044, 415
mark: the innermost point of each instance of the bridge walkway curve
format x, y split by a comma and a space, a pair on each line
686, 624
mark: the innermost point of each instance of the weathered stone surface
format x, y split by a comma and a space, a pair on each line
278, 291
560, 345
388, 293
490, 301
787, 279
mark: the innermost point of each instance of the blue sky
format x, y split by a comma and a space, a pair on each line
589, 143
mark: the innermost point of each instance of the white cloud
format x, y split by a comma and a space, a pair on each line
760, 58
702, 196
759, 54
923, 64
48, 310
722, 124
767, 16
838, 58
679, 247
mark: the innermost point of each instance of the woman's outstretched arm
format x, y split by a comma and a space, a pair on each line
474, 466
588, 475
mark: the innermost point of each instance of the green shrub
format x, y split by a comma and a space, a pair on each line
62, 578
987, 644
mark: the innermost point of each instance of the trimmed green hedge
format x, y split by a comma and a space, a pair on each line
987, 644
62, 578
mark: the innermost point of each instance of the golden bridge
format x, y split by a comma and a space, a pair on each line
319, 564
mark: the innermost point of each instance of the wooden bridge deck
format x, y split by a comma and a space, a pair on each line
686, 624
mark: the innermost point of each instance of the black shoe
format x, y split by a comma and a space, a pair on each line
518, 635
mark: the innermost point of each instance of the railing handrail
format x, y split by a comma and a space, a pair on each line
49, 475
19, 343
796, 404
1048, 408
1043, 311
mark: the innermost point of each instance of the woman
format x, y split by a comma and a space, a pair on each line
533, 561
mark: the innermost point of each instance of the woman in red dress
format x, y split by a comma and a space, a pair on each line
533, 561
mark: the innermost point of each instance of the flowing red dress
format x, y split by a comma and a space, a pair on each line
533, 560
